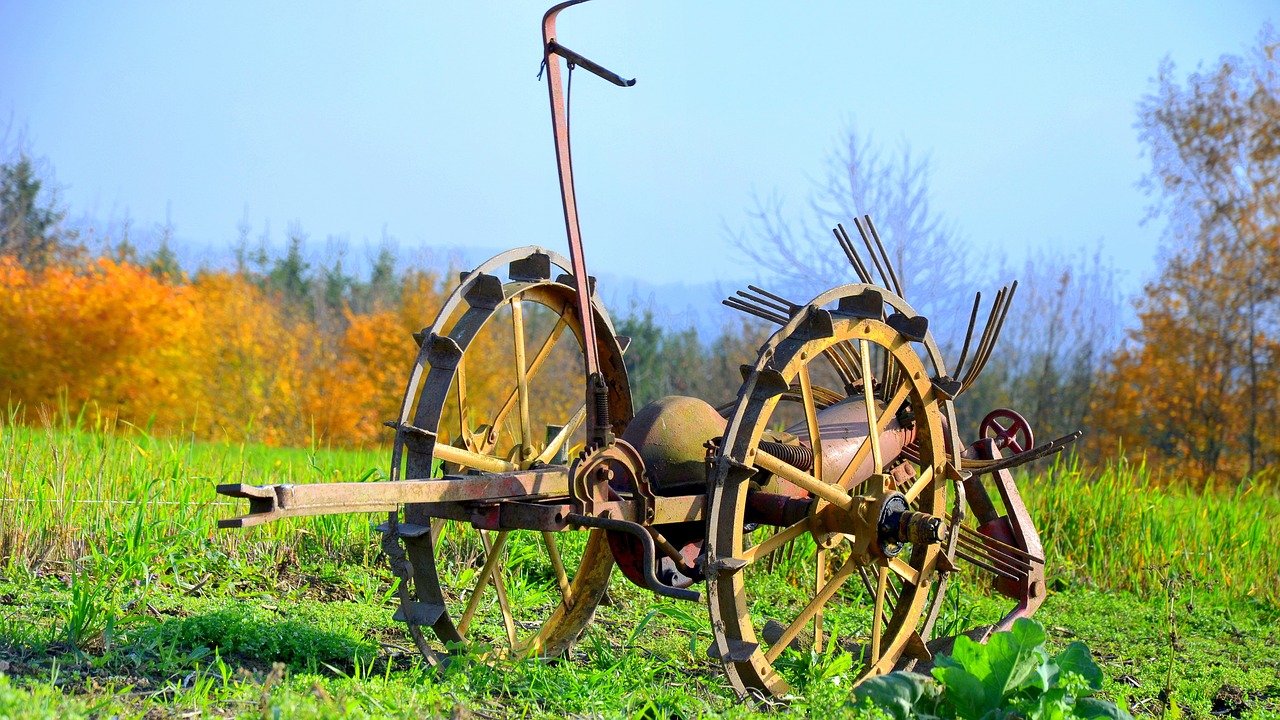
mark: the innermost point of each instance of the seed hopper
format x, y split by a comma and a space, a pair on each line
832, 506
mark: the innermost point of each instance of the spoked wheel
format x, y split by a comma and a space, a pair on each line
851, 569
497, 387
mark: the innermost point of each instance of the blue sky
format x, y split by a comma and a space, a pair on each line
427, 119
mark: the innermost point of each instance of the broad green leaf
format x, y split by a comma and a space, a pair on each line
964, 692
1013, 659
1076, 659
1095, 708
901, 695
1052, 705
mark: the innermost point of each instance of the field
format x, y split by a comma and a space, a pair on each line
118, 597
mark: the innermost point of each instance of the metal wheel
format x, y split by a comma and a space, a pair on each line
857, 569
497, 387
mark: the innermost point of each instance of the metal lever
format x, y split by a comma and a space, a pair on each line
555, 48
649, 561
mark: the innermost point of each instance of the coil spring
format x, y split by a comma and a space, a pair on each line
795, 455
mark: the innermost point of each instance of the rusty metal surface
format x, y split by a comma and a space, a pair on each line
671, 434
597, 408
273, 502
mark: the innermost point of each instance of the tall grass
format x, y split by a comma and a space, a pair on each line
130, 505
134, 503
1117, 528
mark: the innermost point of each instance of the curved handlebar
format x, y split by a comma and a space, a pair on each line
555, 48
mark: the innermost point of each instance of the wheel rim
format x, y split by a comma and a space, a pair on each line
520, 592
840, 588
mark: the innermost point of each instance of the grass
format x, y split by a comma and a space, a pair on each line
118, 597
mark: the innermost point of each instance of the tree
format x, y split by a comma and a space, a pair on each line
894, 189
1056, 341
1199, 376
30, 216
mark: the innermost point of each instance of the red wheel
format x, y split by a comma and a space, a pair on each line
1009, 430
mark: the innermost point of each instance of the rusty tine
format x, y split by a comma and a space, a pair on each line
842, 237
968, 335
980, 363
983, 340
737, 304
893, 274
775, 298
866, 240
768, 300
985, 566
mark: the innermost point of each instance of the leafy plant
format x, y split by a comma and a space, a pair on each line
1012, 675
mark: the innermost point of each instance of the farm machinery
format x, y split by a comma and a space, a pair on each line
828, 508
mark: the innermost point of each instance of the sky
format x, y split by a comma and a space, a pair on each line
426, 121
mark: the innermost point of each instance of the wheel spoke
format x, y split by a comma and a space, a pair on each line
563, 436
463, 428
815, 605
466, 458
859, 457
802, 479
869, 397
904, 571
913, 492
538, 359
500, 587
557, 564
877, 619
490, 562
775, 541
522, 380
811, 421
819, 575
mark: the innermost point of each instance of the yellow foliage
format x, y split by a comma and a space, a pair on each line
110, 335
216, 356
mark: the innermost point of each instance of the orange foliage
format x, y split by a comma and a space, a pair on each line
111, 335
216, 356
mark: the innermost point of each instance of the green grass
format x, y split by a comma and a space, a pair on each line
119, 597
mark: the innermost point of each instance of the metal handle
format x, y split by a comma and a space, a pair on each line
555, 48
649, 561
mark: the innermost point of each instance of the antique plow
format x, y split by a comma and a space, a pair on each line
831, 503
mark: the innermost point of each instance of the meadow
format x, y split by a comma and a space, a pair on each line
119, 597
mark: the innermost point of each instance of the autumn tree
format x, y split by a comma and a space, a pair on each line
1197, 380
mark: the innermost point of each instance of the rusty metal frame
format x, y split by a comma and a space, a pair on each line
552, 52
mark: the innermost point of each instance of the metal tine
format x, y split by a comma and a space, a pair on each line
994, 544
979, 550
778, 299
842, 237
850, 356
847, 368
985, 566
766, 303
1039, 451
737, 304
838, 363
888, 264
968, 335
980, 363
986, 336
866, 240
